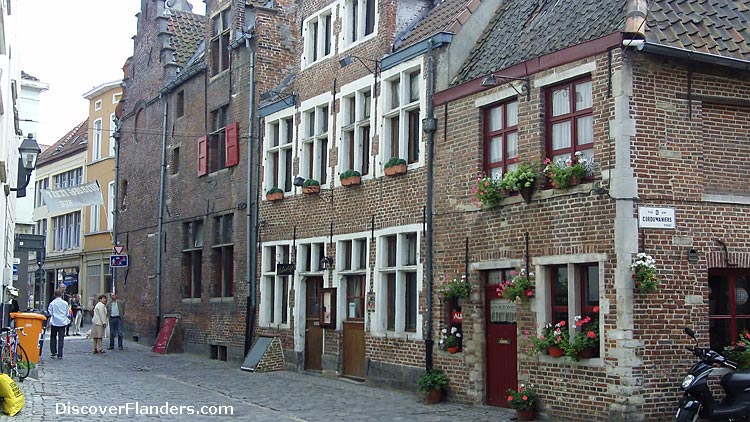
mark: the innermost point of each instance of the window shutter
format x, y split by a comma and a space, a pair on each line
203, 156
233, 145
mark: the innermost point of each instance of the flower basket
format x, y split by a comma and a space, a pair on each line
555, 352
488, 191
274, 194
525, 414
585, 341
522, 179
644, 273
432, 383
452, 350
524, 398
587, 353
564, 174
451, 342
518, 288
311, 186
526, 193
395, 166
351, 178
455, 288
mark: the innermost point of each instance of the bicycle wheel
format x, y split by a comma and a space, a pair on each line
23, 366
6, 364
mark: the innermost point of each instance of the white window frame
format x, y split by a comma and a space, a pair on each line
270, 257
355, 18
94, 218
379, 318
387, 111
355, 267
314, 38
116, 97
96, 143
356, 126
97, 105
110, 205
313, 133
278, 118
112, 127
66, 229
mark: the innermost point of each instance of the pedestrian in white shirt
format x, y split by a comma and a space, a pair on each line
58, 310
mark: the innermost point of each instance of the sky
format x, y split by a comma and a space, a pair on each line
74, 46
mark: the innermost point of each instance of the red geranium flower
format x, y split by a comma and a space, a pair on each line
591, 334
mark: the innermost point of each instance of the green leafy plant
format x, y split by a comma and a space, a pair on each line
519, 287
644, 273
274, 190
563, 173
523, 398
310, 182
586, 335
552, 336
740, 357
394, 161
455, 288
450, 340
434, 379
350, 173
488, 190
523, 176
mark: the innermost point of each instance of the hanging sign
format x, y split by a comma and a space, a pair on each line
284, 269
656, 218
457, 317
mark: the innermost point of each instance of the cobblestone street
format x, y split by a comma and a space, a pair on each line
138, 375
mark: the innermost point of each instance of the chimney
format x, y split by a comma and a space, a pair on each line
635, 19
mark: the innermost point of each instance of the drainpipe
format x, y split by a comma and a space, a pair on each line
116, 206
429, 126
253, 167
161, 215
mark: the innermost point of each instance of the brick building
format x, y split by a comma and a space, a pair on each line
346, 277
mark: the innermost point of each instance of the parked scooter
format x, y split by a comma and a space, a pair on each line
698, 401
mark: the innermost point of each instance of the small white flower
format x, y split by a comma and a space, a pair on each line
458, 335
444, 330
453, 330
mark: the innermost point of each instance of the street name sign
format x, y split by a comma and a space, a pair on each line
656, 218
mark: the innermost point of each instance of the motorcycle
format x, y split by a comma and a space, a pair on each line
699, 402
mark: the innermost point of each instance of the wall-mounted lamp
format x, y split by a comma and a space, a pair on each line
326, 263
349, 59
29, 151
299, 181
494, 80
692, 256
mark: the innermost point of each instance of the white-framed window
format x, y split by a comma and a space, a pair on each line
94, 219
40, 184
221, 25
116, 97
360, 20
317, 35
274, 288
309, 255
313, 152
69, 178
112, 127
67, 231
356, 120
399, 282
96, 144
97, 105
110, 205
279, 150
352, 269
402, 103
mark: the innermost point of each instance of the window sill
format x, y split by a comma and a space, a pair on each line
593, 362
193, 300
228, 299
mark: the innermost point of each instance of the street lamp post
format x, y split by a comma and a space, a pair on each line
29, 151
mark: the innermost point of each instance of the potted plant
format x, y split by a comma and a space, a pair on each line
455, 288
585, 341
737, 354
311, 186
522, 179
488, 190
519, 287
566, 173
553, 340
274, 194
451, 342
350, 178
523, 400
432, 383
395, 166
644, 273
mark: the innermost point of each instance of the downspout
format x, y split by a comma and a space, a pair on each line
116, 206
253, 167
162, 180
429, 125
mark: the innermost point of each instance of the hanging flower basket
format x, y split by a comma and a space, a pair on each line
644, 273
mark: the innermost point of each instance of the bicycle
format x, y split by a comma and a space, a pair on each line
13, 358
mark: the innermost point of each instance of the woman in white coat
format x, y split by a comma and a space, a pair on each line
99, 322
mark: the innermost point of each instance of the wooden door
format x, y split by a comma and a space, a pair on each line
354, 328
501, 359
313, 331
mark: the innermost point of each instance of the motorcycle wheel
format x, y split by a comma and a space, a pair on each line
686, 416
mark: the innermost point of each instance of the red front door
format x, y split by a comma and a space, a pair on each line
500, 317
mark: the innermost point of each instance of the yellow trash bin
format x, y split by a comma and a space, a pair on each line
32, 326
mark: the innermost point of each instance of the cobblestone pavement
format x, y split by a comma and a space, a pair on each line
137, 375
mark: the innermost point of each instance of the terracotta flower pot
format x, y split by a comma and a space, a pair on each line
311, 189
433, 397
276, 196
350, 181
555, 352
452, 350
587, 353
526, 414
395, 170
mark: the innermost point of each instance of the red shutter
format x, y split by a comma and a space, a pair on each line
202, 156
233, 144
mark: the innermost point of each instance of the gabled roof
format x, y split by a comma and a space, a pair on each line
188, 31
527, 29
447, 15
718, 27
524, 29
73, 142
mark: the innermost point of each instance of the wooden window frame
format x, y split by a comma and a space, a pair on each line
506, 163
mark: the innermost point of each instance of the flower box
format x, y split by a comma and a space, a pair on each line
351, 181
310, 189
276, 196
395, 170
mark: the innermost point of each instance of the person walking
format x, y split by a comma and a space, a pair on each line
58, 310
75, 304
66, 297
116, 311
98, 322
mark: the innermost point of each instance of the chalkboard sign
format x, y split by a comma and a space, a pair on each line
165, 335
256, 353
